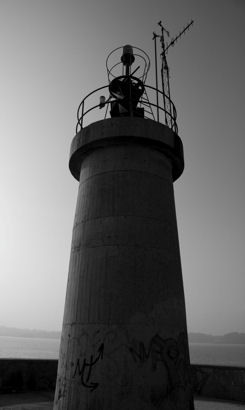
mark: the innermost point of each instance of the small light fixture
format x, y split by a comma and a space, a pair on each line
102, 101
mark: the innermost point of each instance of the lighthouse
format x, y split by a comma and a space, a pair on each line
124, 342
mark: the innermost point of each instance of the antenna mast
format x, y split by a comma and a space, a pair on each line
168, 106
165, 80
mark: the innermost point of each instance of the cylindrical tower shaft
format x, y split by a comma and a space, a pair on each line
124, 339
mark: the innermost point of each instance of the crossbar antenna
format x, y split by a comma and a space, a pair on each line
169, 110
174, 40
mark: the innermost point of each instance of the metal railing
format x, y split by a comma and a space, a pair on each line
151, 109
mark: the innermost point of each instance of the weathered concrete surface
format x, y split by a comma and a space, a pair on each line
217, 405
26, 401
209, 382
219, 382
29, 406
124, 342
199, 405
25, 375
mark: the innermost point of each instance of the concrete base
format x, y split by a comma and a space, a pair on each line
216, 405
198, 404
27, 400
220, 383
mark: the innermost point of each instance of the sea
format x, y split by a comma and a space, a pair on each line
40, 348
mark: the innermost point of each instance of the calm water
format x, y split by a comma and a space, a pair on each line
220, 354
30, 348
37, 348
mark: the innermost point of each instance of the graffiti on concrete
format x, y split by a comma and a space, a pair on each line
167, 360
85, 371
120, 367
62, 390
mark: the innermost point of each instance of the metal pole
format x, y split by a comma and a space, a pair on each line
156, 73
170, 101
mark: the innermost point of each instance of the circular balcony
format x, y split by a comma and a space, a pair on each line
97, 106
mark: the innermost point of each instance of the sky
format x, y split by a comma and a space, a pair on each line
53, 53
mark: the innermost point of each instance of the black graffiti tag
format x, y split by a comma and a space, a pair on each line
166, 352
85, 371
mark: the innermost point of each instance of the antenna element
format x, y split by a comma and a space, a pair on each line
169, 109
173, 41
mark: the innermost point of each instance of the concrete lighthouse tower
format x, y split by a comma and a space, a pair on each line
124, 340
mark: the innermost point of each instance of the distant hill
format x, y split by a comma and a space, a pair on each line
228, 338
15, 332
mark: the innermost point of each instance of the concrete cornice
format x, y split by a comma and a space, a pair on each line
126, 130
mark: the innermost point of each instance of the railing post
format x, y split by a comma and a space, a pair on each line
82, 114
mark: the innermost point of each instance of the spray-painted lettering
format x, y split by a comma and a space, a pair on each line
85, 370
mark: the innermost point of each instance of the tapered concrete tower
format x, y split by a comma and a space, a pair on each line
124, 340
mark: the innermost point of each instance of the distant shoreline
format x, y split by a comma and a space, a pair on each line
31, 333
194, 337
228, 338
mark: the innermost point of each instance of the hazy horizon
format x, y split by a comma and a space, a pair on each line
60, 330
53, 54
